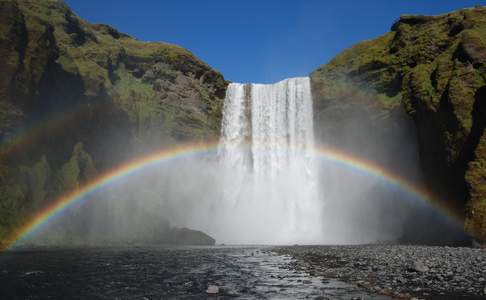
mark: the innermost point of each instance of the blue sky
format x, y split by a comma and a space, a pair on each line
259, 40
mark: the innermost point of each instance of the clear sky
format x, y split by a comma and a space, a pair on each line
259, 40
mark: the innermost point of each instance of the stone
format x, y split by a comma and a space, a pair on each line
419, 266
212, 289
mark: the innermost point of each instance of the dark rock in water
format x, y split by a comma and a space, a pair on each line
185, 236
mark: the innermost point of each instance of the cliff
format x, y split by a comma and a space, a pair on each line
429, 73
77, 98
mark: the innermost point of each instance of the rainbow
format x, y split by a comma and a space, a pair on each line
50, 125
339, 157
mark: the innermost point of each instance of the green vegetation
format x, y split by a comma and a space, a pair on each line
476, 178
433, 68
139, 96
126, 97
77, 170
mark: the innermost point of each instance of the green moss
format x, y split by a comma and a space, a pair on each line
135, 97
433, 67
74, 172
9, 115
214, 108
443, 70
156, 51
53, 62
358, 57
421, 86
105, 59
67, 178
38, 180
476, 178
13, 199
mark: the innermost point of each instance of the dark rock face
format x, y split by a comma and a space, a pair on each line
429, 74
185, 236
77, 99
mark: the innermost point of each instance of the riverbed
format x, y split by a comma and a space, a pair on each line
156, 272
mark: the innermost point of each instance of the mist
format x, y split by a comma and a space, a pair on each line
264, 186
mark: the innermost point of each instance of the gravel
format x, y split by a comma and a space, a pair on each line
408, 272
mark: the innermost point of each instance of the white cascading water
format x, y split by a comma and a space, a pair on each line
271, 189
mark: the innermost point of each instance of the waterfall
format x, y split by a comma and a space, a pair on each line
271, 180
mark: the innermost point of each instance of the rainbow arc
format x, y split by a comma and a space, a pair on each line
343, 159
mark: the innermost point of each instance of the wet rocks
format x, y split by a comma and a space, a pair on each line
418, 266
164, 273
398, 271
212, 289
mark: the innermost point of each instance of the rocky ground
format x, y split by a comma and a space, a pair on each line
399, 271
158, 272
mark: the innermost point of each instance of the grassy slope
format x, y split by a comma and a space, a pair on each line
92, 97
434, 68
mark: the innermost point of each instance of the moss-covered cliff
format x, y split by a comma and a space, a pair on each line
434, 70
77, 98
